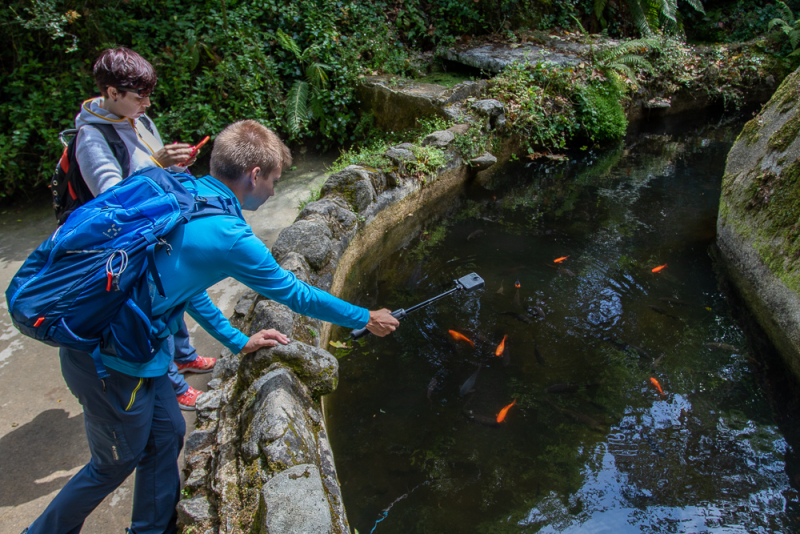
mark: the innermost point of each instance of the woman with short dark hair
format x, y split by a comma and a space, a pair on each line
126, 81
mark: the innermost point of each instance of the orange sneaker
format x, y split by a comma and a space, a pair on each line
200, 365
188, 400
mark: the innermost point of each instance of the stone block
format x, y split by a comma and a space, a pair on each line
196, 479
335, 212
316, 368
355, 184
294, 501
245, 304
195, 510
297, 265
277, 426
197, 440
459, 129
226, 366
400, 155
483, 162
269, 314
465, 90
489, 107
209, 401
398, 103
404, 146
440, 139
310, 239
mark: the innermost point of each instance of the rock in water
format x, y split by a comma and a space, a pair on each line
755, 239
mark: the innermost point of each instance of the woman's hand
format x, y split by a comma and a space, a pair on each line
175, 154
265, 339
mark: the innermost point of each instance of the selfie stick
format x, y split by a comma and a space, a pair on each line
469, 282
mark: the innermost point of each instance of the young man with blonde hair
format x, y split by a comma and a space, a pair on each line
132, 417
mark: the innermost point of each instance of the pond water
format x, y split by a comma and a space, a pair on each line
590, 444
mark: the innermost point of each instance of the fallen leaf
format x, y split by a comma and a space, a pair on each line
339, 345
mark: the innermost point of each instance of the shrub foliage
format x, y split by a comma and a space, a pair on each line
292, 65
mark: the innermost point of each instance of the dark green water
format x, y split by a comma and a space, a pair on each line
610, 454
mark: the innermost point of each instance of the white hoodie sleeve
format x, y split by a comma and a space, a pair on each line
99, 167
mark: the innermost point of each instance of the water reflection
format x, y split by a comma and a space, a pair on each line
590, 444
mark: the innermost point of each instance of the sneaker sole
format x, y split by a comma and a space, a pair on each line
187, 408
195, 371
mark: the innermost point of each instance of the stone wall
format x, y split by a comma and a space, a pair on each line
259, 460
758, 229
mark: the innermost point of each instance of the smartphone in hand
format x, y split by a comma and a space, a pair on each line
196, 148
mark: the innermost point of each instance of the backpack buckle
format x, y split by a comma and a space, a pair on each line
163, 243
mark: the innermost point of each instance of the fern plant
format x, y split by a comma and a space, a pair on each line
304, 99
650, 15
623, 59
787, 24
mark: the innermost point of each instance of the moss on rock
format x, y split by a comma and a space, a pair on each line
777, 198
750, 132
785, 135
786, 95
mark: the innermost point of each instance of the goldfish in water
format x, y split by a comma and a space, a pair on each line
561, 259
517, 284
461, 337
657, 386
502, 415
659, 268
501, 347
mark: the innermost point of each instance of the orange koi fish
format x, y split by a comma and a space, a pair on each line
659, 268
502, 415
501, 347
461, 337
561, 259
657, 386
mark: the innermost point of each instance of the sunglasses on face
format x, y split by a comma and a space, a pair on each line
141, 93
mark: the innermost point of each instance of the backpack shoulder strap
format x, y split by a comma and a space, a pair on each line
117, 146
147, 123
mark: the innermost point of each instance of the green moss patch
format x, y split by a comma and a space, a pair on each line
445, 79
775, 199
785, 135
787, 93
600, 112
750, 132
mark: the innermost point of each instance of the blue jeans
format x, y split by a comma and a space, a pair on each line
131, 423
182, 352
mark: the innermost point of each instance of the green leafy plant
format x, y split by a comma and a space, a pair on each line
539, 106
648, 16
304, 92
473, 143
623, 58
45, 17
428, 160
600, 111
787, 24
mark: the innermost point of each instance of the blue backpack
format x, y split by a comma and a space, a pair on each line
87, 287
